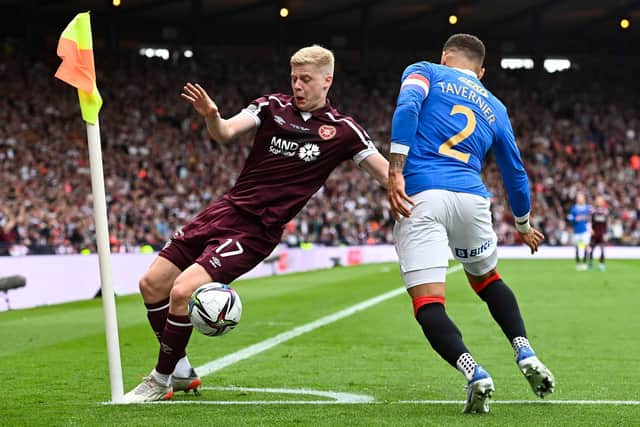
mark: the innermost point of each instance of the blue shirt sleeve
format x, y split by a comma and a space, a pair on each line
413, 91
514, 176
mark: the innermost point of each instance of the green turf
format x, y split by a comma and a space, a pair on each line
584, 325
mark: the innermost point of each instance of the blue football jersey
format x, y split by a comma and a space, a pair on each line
445, 122
579, 216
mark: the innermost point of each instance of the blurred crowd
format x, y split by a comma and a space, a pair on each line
161, 168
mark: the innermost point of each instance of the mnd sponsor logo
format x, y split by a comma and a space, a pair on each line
283, 147
304, 151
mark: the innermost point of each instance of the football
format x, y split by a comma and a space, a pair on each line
215, 309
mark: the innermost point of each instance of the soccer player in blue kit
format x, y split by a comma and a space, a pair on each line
579, 217
444, 124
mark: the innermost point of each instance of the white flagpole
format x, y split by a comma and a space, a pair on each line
104, 258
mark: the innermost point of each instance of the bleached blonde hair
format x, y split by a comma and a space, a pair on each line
316, 55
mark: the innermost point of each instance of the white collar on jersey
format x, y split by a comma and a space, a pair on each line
466, 71
305, 115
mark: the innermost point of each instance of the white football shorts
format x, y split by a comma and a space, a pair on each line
582, 239
442, 223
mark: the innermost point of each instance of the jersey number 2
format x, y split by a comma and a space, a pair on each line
446, 147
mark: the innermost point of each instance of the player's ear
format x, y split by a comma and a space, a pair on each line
481, 73
328, 79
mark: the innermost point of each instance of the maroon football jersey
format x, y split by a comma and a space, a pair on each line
292, 155
599, 218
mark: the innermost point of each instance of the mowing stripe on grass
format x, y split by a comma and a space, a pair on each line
528, 402
252, 350
362, 401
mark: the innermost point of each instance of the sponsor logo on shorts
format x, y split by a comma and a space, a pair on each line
215, 262
473, 252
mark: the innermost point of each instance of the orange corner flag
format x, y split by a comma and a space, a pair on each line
75, 47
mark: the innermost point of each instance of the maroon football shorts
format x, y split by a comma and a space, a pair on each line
597, 239
226, 241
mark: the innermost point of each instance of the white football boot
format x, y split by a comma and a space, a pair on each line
539, 376
479, 391
186, 384
149, 390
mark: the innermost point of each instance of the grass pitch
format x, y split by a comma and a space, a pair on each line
583, 325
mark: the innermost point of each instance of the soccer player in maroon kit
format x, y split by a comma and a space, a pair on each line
599, 219
300, 139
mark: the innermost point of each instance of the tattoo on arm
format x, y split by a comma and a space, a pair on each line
396, 162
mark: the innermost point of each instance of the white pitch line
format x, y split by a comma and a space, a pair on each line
252, 350
251, 402
528, 402
413, 402
338, 397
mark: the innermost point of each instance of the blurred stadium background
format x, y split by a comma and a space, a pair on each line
578, 128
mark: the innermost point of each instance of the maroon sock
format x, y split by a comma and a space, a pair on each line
157, 315
174, 342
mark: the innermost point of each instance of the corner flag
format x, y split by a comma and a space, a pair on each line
77, 69
75, 47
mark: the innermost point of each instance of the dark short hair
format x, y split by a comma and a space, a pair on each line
470, 46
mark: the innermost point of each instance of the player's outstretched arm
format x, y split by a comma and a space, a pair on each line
378, 167
532, 238
220, 129
395, 189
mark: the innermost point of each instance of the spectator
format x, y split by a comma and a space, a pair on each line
161, 168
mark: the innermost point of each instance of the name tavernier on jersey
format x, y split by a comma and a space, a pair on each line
470, 91
458, 122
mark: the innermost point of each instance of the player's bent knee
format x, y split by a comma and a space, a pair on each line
150, 289
482, 272
181, 292
483, 266
413, 279
419, 302
183, 289
479, 283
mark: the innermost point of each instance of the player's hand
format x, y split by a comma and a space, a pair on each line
532, 238
199, 98
398, 197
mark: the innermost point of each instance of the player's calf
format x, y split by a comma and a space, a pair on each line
446, 340
440, 331
502, 303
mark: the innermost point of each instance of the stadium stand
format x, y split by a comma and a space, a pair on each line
161, 167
